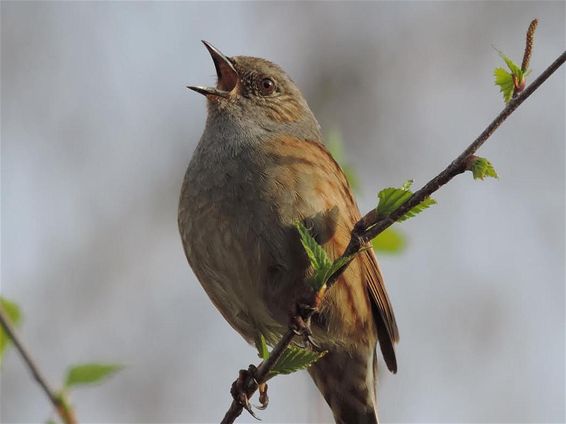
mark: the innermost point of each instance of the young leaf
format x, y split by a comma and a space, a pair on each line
513, 67
482, 168
505, 82
295, 359
261, 347
415, 210
509, 82
13, 313
390, 199
389, 241
90, 373
316, 254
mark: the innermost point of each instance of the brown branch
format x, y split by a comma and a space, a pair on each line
369, 226
59, 403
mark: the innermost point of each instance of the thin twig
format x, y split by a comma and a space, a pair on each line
371, 225
61, 406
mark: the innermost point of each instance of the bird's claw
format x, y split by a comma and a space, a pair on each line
246, 382
301, 324
263, 398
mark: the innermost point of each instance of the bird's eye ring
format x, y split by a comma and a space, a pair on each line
266, 86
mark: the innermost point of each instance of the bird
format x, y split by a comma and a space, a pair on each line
260, 167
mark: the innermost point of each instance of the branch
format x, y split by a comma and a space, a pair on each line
61, 405
369, 226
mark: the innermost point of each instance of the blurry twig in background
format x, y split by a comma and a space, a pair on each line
77, 375
374, 223
62, 407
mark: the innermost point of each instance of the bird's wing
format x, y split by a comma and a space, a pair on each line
326, 181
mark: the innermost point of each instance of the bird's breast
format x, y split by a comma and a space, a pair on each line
228, 228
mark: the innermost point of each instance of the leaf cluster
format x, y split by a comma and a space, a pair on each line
293, 359
512, 81
392, 198
482, 168
323, 267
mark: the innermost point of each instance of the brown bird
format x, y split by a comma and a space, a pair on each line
259, 167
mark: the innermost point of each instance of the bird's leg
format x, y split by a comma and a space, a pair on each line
245, 383
301, 323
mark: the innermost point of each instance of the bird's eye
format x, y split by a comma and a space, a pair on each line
266, 86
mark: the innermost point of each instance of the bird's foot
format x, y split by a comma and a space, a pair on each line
263, 398
245, 384
301, 324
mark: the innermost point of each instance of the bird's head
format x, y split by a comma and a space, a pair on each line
250, 88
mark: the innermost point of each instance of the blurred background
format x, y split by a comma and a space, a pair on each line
97, 130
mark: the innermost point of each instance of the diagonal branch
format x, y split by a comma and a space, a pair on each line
61, 406
371, 225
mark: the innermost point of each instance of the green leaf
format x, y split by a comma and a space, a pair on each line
407, 185
316, 254
321, 263
261, 347
339, 263
90, 373
482, 168
513, 67
389, 241
505, 82
391, 198
295, 359
415, 210
12, 311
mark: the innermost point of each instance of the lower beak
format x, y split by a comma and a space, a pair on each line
209, 91
227, 75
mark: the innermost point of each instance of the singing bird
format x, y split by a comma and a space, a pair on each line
259, 167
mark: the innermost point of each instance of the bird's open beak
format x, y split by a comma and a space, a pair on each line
227, 75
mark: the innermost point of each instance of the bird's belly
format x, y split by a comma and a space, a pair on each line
220, 235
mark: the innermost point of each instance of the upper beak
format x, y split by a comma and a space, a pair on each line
227, 74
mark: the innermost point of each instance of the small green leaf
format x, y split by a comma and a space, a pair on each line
90, 373
261, 347
295, 359
508, 82
482, 168
505, 82
513, 67
415, 210
339, 263
316, 254
389, 241
12, 311
322, 265
407, 185
390, 199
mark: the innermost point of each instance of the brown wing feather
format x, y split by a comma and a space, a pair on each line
365, 266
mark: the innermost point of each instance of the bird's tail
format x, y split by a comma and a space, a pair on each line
347, 382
